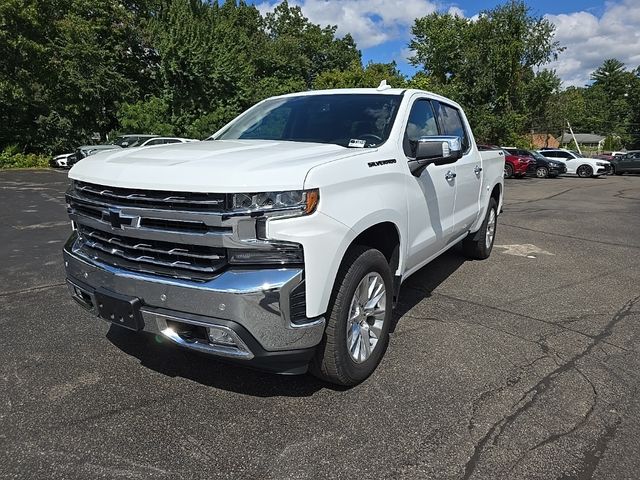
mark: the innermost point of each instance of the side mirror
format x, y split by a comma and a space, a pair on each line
439, 150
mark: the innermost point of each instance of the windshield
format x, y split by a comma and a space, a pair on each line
537, 155
357, 120
576, 154
120, 140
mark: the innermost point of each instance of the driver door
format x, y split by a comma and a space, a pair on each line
431, 195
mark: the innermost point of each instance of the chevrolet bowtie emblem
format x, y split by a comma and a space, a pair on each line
117, 220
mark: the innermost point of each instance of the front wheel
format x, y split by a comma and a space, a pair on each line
542, 172
358, 319
478, 245
584, 171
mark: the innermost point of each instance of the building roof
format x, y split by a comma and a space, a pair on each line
581, 138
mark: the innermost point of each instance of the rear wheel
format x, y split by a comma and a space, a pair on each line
479, 245
508, 170
542, 172
358, 319
584, 171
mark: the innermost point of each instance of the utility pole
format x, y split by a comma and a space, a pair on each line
574, 138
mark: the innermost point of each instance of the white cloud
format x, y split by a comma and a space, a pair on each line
370, 22
589, 40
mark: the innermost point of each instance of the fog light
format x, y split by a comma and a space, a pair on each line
220, 337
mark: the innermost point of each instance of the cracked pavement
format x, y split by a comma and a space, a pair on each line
523, 366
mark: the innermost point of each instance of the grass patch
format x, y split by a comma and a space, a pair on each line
12, 158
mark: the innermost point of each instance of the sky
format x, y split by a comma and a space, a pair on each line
591, 31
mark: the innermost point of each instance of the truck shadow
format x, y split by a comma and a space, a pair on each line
162, 356
420, 285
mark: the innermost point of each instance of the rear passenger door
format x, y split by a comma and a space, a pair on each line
468, 169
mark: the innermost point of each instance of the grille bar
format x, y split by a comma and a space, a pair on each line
175, 261
185, 251
170, 200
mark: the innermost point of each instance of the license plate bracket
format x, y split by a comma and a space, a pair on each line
118, 309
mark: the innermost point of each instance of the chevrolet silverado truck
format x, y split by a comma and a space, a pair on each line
282, 242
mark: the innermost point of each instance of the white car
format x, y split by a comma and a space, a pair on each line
60, 161
578, 164
164, 141
283, 242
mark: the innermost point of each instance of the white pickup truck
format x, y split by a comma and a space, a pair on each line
283, 241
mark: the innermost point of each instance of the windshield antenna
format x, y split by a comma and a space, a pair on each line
383, 86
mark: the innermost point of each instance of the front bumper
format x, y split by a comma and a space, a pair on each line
253, 303
604, 170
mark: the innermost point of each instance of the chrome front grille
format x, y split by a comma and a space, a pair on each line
151, 198
153, 256
178, 235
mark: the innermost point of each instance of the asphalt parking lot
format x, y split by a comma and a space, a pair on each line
526, 365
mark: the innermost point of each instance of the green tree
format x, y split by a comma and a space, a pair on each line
488, 65
66, 66
357, 76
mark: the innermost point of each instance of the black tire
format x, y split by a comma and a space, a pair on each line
475, 245
542, 172
333, 362
508, 170
616, 171
584, 171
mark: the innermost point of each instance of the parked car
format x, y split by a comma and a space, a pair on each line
165, 141
60, 161
578, 164
283, 241
87, 150
514, 165
604, 156
131, 140
541, 166
629, 163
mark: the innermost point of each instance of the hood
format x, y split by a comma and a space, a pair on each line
222, 166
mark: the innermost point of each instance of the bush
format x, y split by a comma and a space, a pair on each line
11, 157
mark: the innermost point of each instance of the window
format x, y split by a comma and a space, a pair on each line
560, 154
322, 118
171, 140
154, 142
451, 124
421, 123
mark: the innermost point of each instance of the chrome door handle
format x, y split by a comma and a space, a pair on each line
477, 170
449, 176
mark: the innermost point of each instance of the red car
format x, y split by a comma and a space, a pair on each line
514, 165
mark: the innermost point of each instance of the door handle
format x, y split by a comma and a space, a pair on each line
449, 176
477, 170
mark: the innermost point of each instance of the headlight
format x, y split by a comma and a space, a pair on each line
601, 164
303, 202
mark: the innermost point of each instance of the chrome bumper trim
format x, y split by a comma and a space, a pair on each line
240, 352
258, 299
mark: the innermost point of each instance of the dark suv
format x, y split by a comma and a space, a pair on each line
629, 163
543, 167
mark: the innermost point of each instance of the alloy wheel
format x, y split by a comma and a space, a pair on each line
491, 228
366, 317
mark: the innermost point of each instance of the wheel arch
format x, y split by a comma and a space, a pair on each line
384, 235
